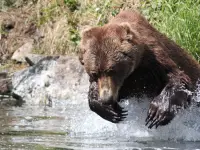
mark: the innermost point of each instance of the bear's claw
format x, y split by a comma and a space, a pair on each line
113, 114
161, 113
159, 119
165, 106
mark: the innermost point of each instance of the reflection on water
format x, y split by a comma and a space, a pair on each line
69, 124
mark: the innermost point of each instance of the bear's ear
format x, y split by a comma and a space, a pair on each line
88, 32
86, 35
127, 28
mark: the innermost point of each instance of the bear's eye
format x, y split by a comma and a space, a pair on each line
111, 72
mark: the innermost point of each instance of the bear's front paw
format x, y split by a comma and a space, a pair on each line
112, 113
165, 106
160, 113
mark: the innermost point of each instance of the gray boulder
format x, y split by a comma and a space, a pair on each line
20, 54
52, 78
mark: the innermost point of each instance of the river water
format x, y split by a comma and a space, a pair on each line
69, 124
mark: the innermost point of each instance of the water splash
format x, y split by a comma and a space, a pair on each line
81, 128
185, 126
65, 84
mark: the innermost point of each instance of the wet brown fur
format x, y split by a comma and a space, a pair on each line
170, 57
163, 48
158, 65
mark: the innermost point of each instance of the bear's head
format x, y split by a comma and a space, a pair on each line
109, 54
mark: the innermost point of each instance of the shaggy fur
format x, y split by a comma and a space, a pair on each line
128, 57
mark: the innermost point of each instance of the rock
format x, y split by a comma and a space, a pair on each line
52, 78
20, 54
32, 59
5, 84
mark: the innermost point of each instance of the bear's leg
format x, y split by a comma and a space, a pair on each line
113, 113
175, 96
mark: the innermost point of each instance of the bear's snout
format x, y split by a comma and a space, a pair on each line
106, 95
107, 91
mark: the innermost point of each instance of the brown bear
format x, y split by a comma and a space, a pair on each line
128, 57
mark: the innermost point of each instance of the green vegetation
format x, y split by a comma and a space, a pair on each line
178, 19
67, 18
61, 21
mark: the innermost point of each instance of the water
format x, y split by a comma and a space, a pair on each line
69, 124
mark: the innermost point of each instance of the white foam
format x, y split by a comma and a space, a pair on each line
185, 126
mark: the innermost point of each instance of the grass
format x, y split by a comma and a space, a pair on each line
61, 21
178, 19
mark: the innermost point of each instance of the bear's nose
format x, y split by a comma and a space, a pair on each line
106, 96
